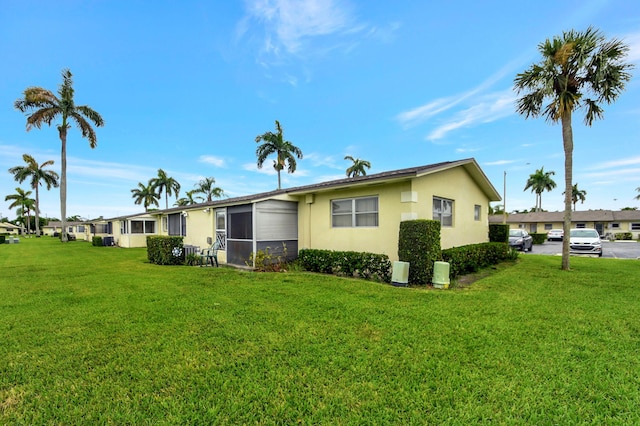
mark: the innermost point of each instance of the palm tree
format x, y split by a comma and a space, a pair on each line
23, 203
539, 182
45, 107
145, 195
165, 183
38, 174
188, 200
358, 167
285, 151
206, 187
638, 190
578, 69
577, 195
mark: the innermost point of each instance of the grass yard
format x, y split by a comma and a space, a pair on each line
98, 335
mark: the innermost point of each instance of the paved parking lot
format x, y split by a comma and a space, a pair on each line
616, 249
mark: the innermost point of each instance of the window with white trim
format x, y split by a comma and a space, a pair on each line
581, 225
615, 225
548, 226
476, 212
354, 212
635, 226
143, 227
443, 211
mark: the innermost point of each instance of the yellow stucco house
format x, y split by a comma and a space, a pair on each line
357, 214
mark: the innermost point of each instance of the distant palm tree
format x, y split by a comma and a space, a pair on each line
638, 190
539, 182
188, 200
22, 202
285, 151
165, 183
46, 107
577, 195
577, 69
145, 195
206, 187
37, 174
358, 167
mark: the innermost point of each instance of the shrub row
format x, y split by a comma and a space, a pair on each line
96, 241
163, 250
347, 263
623, 236
470, 258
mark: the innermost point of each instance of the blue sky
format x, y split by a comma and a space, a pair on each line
186, 86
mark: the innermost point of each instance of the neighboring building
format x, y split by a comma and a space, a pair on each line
604, 221
357, 214
80, 229
10, 228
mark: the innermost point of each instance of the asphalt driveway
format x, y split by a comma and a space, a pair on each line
616, 249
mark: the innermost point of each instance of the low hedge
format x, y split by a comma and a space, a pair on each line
471, 258
539, 238
96, 241
347, 263
163, 250
624, 236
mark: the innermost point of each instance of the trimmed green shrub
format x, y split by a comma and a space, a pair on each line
498, 233
471, 258
163, 250
419, 244
369, 266
623, 236
192, 259
539, 238
96, 241
266, 261
2, 239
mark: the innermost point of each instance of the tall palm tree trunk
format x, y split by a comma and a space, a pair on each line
37, 211
567, 139
63, 181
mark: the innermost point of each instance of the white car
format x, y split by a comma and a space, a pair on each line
555, 234
585, 241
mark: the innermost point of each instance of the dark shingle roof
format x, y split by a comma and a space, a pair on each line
469, 164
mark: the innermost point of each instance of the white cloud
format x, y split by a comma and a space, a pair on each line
289, 22
633, 40
303, 28
486, 109
617, 163
499, 162
321, 160
213, 160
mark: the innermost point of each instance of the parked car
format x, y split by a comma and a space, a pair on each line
555, 235
585, 241
520, 239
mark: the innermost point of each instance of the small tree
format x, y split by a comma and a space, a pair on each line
37, 173
286, 152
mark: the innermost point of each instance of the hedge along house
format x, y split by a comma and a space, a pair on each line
355, 214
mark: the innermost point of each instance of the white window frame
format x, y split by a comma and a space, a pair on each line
635, 226
477, 212
439, 214
354, 213
548, 226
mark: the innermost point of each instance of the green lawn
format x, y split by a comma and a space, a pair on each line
96, 335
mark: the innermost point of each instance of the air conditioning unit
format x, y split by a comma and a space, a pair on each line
441, 275
400, 274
